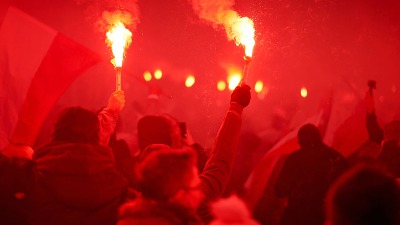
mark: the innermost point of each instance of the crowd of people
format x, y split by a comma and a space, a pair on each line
84, 175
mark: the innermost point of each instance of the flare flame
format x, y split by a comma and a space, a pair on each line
119, 38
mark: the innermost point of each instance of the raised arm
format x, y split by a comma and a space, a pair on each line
217, 170
108, 117
375, 132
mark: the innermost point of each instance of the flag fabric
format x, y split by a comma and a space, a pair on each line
38, 64
351, 133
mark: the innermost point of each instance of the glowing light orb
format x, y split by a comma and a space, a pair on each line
259, 86
190, 80
221, 85
303, 92
158, 74
147, 76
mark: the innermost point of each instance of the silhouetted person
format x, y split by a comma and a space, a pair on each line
71, 180
388, 138
370, 149
305, 178
364, 195
164, 129
170, 187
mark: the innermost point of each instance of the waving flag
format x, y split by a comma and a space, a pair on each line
37, 65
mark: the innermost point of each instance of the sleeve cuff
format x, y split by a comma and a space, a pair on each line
236, 108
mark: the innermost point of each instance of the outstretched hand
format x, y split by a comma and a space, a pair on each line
241, 95
116, 102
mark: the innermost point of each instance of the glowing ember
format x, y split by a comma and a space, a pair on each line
119, 37
243, 32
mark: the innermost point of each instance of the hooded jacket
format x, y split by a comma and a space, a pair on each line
68, 183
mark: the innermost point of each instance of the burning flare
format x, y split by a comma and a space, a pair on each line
119, 38
242, 31
221, 13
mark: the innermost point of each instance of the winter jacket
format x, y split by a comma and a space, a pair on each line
304, 179
66, 184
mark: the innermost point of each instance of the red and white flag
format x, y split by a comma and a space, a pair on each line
37, 65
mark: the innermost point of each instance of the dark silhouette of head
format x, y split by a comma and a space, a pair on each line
158, 129
309, 136
364, 195
77, 125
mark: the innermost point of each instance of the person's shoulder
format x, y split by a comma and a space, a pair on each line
331, 150
295, 155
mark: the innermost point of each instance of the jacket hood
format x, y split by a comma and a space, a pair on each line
82, 176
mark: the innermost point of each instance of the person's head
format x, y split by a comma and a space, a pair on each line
77, 125
309, 136
170, 175
364, 195
391, 131
158, 129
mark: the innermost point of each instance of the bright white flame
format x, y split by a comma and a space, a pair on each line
119, 37
258, 87
147, 76
221, 85
158, 74
303, 92
234, 81
243, 32
190, 80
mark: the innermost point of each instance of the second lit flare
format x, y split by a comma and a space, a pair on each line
119, 38
243, 32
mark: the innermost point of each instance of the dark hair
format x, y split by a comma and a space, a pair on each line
77, 125
365, 195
